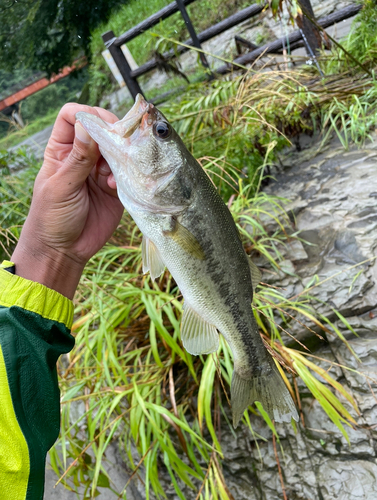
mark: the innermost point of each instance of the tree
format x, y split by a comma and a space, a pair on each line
48, 34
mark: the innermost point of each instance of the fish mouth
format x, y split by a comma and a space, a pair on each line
110, 135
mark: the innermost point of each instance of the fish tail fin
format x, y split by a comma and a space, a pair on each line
269, 389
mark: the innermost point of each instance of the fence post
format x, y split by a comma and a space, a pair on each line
311, 32
122, 64
191, 29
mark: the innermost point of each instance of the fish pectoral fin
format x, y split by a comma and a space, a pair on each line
185, 240
151, 259
198, 336
255, 273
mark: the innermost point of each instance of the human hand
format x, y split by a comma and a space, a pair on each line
75, 208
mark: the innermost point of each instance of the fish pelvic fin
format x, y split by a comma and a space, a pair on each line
197, 335
269, 389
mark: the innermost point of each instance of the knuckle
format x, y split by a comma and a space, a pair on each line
68, 106
78, 156
67, 110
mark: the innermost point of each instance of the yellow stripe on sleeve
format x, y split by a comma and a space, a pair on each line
14, 453
34, 297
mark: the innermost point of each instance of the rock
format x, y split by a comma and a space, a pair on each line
296, 251
333, 200
355, 479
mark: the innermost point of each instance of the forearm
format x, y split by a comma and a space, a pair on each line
48, 267
34, 331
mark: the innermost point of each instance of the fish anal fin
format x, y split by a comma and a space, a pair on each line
151, 259
198, 336
269, 389
186, 240
255, 274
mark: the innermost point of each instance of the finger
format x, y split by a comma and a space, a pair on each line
103, 182
103, 167
65, 121
104, 170
81, 160
63, 131
111, 182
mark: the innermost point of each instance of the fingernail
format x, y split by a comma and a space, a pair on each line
81, 134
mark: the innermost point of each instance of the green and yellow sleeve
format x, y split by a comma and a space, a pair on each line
34, 331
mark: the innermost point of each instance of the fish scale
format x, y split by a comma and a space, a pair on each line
187, 227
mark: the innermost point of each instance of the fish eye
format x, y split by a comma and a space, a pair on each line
162, 130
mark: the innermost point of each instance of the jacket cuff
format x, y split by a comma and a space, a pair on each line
34, 297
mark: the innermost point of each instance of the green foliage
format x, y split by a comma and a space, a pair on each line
54, 96
15, 197
353, 121
12, 81
47, 34
240, 125
292, 6
45, 101
242, 122
13, 138
361, 42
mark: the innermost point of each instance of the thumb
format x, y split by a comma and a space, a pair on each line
82, 158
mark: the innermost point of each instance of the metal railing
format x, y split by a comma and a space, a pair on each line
130, 76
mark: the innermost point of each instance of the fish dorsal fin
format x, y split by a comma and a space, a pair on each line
186, 240
198, 336
255, 273
151, 259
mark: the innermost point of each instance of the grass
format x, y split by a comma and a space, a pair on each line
361, 42
15, 197
242, 124
352, 122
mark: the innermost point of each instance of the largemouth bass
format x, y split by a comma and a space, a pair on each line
187, 228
